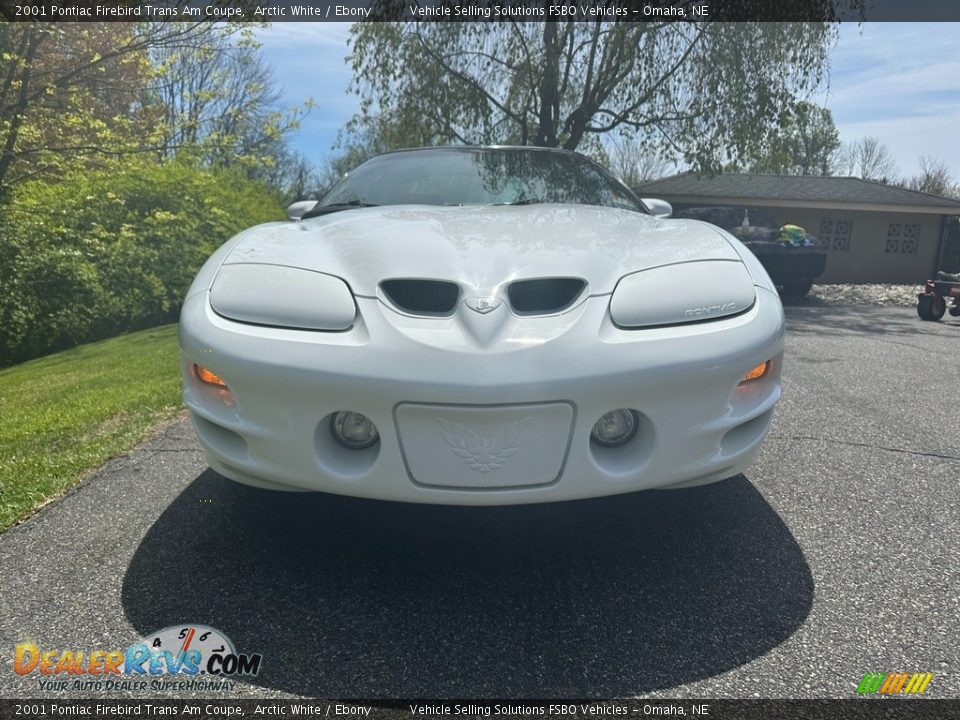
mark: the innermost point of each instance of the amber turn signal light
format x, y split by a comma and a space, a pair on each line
758, 372
208, 376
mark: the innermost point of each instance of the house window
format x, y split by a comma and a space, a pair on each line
903, 238
835, 235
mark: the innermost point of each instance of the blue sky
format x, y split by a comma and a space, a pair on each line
897, 81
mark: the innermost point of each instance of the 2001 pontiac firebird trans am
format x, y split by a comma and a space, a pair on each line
481, 326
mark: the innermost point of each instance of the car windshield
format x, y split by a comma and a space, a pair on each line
475, 176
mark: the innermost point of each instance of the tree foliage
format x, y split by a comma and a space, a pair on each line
289, 173
807, 144
870, 159
128, 152
74, 95
113, 249
708, 92
633, 163
219, 100
934, 178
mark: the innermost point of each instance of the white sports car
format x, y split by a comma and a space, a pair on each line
481, 326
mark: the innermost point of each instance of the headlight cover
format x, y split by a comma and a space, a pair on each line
682, 293
282, 296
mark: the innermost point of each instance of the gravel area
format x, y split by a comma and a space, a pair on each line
869, 294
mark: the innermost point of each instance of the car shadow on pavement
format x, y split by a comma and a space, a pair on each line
357, 598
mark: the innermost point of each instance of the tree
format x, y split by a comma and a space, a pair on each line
113, 248
219, 99
288, 172
869, 159
633, 163
808, 144
707, 91
934, 178
70, 93
76, 94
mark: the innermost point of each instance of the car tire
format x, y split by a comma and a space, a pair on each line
931, 307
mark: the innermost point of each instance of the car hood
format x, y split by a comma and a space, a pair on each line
482, 248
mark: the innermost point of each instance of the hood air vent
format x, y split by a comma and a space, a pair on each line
544, 296
422, 297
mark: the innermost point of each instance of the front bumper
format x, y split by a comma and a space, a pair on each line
272, 428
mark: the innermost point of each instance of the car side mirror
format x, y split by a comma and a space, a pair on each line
296, 210
658, 208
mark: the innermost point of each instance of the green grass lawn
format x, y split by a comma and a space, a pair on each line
64, 414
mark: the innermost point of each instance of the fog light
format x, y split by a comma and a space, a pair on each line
615, 428
756, 373
353, 430
208, 376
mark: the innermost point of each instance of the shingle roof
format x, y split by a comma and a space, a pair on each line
809, 188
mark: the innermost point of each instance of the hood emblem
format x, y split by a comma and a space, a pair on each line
483, 305
483, 453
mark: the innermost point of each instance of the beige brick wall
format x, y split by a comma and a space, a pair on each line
867, 259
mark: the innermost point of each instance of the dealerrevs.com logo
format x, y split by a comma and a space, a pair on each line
186, 651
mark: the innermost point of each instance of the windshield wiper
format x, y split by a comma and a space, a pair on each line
524, 201
318, 210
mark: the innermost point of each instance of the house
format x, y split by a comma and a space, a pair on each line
873, 233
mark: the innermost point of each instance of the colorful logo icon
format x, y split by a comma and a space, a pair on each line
894, 683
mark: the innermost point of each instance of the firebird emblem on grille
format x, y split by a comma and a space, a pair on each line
483, 305
483, 453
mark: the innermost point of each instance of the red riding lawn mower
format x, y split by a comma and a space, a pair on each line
932, 302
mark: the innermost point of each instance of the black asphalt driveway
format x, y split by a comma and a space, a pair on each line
836, 555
